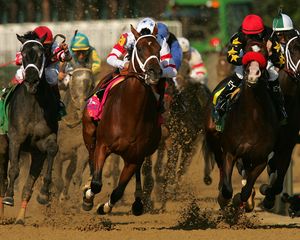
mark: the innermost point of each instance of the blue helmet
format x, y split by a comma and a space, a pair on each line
80, 42
163, 30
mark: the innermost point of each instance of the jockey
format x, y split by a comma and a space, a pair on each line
173, 43
254, 28
198, 71
54, 53
284, 29
83, 54
125, 46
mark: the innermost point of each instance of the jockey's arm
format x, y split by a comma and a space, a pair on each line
61, 53
198, 69
234, 48
176, 51
167, 63
118, 50
96, 62
275, 54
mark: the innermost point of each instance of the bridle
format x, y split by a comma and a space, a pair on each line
31, 65
141, 65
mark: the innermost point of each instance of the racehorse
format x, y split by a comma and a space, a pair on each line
289, 79
129, 125
250, 129
3, 170
33, 124
70, 139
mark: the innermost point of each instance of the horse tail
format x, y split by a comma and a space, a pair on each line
209, 160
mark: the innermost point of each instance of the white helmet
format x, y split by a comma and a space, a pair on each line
184, 44
282, 23
147, 23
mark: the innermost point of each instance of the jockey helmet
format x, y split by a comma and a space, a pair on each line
184, 44
163, 30
282, 23
252, 24
146, 23
80, 42
41, 31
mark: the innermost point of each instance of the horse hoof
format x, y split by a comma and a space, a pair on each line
263, 189
87, 206
19, 222
268, 203
137, 207
42, 199
236, 201
250, 204
207, 180
9, 201
223, 202
100, 210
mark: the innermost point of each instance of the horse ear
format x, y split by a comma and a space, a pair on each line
135, 32
21, 39
42, 40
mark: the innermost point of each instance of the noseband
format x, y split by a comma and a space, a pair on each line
31, 65
136, 56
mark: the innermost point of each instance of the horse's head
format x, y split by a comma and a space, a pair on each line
145, 57
292, 55
254, 61
80, 85
33, 60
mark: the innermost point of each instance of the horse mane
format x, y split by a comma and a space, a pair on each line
30, 35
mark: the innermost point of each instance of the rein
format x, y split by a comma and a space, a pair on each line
291, 67
31, 65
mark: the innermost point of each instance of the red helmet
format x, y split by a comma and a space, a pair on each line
252, 24
41, 32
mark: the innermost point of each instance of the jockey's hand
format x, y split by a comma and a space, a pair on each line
18, 59
126, 66
61, 76
269, 47
64, 47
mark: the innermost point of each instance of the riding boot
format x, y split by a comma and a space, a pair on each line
61, 106
278, 100
225, 96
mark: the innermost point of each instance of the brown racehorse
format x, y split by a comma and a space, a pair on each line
289, 79
128, 127
250, 130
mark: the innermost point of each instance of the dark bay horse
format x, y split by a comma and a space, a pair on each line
289, 79
33, 124
250, 130
128, 127
72, 150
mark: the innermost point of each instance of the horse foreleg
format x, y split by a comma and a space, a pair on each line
126, 174
100, 155
226, 190
14, 171
137, 206
3, 176
68, 177
82, 161
35, 170
51, 150
247, 190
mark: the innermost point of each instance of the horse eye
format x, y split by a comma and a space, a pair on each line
139, 49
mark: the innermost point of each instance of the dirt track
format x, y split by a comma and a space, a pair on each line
194, 209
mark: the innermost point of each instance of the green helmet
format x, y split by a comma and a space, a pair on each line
80, 42
282, 23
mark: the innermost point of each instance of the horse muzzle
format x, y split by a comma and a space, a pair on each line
152, 76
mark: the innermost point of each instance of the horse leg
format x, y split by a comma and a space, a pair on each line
68, 177
3, 171
14, 171
101, 153
51, 149
280, 164
82, 161
35, 170
148, 184
226, 190
247, 190
126, 174
57, 174
158, 166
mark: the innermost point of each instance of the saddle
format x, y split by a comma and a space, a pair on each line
5, 95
